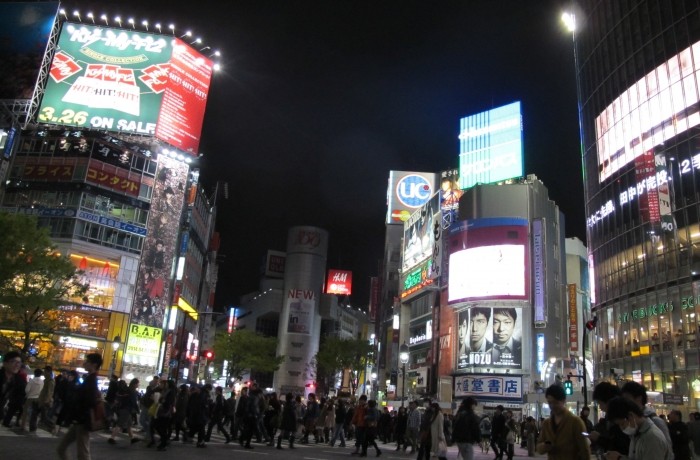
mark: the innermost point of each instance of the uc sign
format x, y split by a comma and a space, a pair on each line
413, 190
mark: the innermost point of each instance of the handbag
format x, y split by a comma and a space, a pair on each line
98, 416
510, 437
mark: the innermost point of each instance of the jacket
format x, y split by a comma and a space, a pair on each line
466, 427
567, 442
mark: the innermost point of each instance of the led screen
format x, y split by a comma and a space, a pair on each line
491, 146
419, 235
339, 282
488, 271
488, 259
661, 105
127, 81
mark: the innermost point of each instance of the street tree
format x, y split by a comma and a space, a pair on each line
35, 280
246, 350
336, 355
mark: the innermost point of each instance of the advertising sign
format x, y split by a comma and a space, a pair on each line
419, 235
491, 146
407, 192
144, 341
488, 259
573, 317
489, 386
127, 81
658, 107
450, 193
274, 264
113, 178
538, 272
153, 294
339, 282
416, 279
490, 336
46, 171
374, 297
301, 310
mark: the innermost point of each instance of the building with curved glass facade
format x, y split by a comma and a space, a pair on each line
638, 66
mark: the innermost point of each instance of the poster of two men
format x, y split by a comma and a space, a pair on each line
490, 337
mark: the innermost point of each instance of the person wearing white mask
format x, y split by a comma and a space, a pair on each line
646, 439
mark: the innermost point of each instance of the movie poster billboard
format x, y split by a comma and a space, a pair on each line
490, 337
419, 235
488, 259
127, 81
153, 294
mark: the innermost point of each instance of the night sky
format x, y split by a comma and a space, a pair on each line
318, 100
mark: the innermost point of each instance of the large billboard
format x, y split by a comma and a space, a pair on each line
658, 107
491, 146
407, 192
339, 282
419, 235
25, 28
490, 337
488, 259
128, 81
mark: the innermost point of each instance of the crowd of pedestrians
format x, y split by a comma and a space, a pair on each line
162, 413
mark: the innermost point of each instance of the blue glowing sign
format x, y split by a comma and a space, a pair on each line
491, 146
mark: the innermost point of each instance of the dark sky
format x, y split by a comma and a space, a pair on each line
319, 100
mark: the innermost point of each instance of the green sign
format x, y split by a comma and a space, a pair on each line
645, 312
107, 78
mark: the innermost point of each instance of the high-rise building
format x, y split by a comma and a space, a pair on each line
638, 70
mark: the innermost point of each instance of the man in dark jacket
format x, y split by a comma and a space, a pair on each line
11, 386
288, 424
606, 435
466, 430
680, 440
217, 415
88, 396
241, 411
498, 433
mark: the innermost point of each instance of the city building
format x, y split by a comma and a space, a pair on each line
637, 71
112, 174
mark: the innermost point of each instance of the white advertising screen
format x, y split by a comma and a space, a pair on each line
487, 271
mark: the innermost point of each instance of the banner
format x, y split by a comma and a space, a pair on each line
489, 386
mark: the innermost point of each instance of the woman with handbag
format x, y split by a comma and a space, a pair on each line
511, 431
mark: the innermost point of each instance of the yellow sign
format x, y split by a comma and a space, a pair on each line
144, 341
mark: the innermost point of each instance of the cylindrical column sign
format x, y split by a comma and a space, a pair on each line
299, 326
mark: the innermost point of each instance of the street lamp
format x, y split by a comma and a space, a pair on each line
116, 343
403, 356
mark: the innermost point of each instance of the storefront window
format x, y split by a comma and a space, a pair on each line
100, 275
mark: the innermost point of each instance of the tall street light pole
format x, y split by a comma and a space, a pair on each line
403, 356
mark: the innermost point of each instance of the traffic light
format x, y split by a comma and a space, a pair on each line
209, 354
568, 388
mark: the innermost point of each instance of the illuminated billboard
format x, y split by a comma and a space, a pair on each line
491, 146
488, 259
505, 387
339, 282
407, 192
143, 344
658, 107
490, 336
127, 81
419, 235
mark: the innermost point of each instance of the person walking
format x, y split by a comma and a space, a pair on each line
87, 397
217, 415
511, 435
339, 431
46, 397
413, 427
181, 401
372, 416
124, 406
197, 417
30, 411
646, 440
498, 433
358, 421
241, 411
485, 427
12, 385
466, 431
288, 424
164, 413
400, 426
313, 411
680, 439
438, 442
561, 436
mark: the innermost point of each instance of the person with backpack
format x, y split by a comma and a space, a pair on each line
466, 428
485, 427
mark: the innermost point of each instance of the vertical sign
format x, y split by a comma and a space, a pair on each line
573, 318
538, 271
540, 352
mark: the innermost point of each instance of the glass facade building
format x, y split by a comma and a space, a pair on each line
638, 74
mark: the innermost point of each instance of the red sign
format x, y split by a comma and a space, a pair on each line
63, 66
113, 178
339, 282
185, 98
48, 172
374, 298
